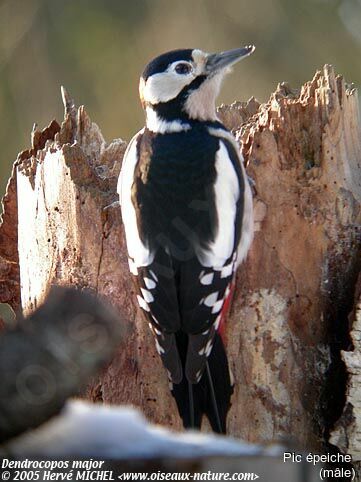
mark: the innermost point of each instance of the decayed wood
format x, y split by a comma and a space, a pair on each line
9, 261
347, 432
51, 355
289, 318
293, 293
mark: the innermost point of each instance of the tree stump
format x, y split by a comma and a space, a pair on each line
289, 318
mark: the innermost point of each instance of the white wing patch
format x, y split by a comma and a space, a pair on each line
153, 275
132, 267
247, 220
139, 253
209, 347
149, 283
227, 270
147, 295
207, 279
142, 303
217, 306
218, 321
226, 189
211, 299
160, 350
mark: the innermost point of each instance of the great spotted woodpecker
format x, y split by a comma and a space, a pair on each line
187, 211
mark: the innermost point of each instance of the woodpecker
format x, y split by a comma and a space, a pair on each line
188, 218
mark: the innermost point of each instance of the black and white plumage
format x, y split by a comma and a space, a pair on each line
187, 212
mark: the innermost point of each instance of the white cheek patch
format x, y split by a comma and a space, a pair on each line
141, 89
164, 86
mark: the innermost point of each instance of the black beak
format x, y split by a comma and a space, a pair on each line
217, 62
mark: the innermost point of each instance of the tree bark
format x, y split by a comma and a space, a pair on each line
288, 322
347, 432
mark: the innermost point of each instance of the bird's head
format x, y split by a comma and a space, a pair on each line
184, 84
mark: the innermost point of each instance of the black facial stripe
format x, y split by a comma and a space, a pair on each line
173, 109
195, 83
161, 63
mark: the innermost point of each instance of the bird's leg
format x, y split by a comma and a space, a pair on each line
213, 396
191, 404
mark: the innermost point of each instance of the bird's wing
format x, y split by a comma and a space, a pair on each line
127, 160
152, 269
157, 296
138, 251
205, 283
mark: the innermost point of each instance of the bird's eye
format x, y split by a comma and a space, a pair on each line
183, 68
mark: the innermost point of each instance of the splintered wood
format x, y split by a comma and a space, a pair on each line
289, 319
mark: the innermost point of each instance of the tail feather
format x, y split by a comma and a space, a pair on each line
202, 395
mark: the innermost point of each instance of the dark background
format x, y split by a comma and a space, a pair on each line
97, 49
